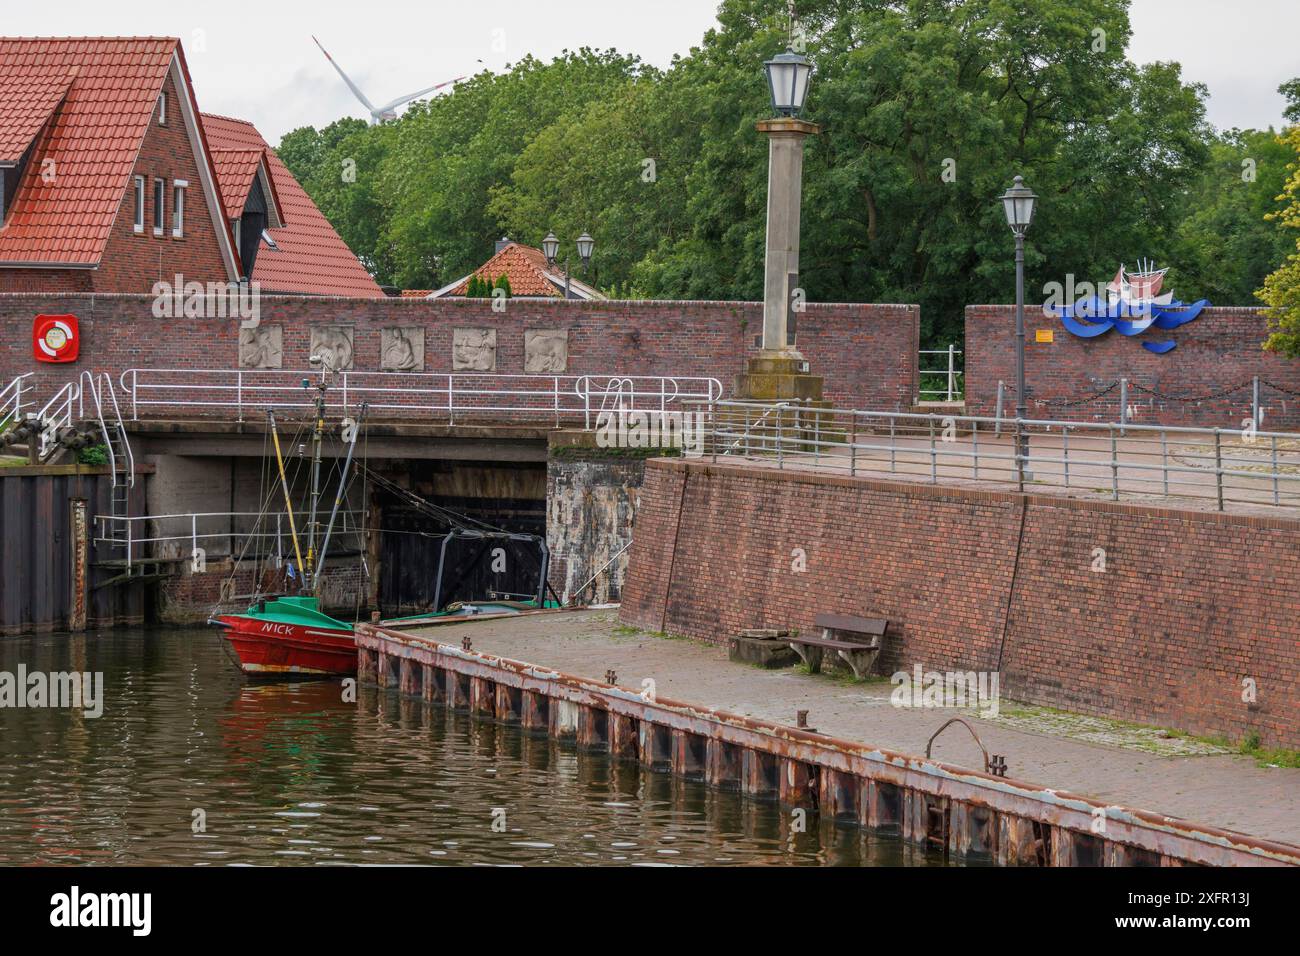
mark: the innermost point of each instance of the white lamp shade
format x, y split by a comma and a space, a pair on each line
787, 79
550, 247
1018, 203
585, 245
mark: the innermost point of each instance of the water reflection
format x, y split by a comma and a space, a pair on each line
191, 765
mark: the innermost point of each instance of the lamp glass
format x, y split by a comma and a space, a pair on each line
1018, 203
787, 80
585, 246
551, 247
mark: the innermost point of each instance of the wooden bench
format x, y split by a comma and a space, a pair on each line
856, 640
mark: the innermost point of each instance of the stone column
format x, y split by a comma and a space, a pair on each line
779, 372
784, 200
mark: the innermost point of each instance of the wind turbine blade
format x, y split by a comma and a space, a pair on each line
352, 86
415, 96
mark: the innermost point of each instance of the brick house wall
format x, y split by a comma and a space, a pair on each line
866, 352
47, 280
1191, 603
133, 261
1205, 381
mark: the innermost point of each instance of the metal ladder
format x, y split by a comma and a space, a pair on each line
121, 460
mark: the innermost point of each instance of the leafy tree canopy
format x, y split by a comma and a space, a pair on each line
929, 108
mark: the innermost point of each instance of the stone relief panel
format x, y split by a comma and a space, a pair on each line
401, 349
261, 347
474, 350
333, 342
546, 350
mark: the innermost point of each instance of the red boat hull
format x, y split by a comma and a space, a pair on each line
274, 649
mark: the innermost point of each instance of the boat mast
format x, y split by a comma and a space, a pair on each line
284, 484
312, 525
338, 498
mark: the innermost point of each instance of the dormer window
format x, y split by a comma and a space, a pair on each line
162, 109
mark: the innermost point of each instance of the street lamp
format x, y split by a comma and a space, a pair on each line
787, 80
551, 249
1018, 204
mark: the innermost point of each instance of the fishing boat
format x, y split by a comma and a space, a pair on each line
287, 636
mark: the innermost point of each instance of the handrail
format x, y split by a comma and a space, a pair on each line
1244, 466
12, 395
56, 414
586, 584
952, 372
95, 382
432, 393
87, 382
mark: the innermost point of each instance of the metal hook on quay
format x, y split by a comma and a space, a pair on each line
994, 764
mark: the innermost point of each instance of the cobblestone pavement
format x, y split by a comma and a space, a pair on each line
1137, 767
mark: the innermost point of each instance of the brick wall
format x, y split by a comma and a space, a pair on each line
134, 261
866, 352
1190, 603
1205, 381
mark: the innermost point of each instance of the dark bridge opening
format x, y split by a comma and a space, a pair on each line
507, 496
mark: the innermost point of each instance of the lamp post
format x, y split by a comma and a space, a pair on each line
551, 249
1018, 204
788, 75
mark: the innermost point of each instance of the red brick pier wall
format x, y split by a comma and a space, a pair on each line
1191, 605
1204, 382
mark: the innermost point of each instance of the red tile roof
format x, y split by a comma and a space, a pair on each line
93, 139
310, 258
32, 99
526, 268
236, 170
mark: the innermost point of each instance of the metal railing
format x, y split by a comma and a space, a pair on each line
951, 374
169, 535
55, 415
436, 395
121, 459
12, 400
1215, 465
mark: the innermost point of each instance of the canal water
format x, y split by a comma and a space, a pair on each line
189, 764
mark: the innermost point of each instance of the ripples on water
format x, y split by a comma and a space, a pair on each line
290, 774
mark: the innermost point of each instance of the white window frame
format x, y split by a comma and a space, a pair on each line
138, 224
178, 207
159, 206
162, 108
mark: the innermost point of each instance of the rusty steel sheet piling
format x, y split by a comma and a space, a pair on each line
959, 812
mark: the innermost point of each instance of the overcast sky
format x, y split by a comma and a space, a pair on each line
255, 59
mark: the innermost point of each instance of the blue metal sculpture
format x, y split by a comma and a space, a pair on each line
1133, 304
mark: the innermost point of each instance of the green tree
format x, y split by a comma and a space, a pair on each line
1225, 244
1281, 291
930, 108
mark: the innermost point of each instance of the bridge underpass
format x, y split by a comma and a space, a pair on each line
200, 444
213, 526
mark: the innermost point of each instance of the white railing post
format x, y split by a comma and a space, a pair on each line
950, 370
